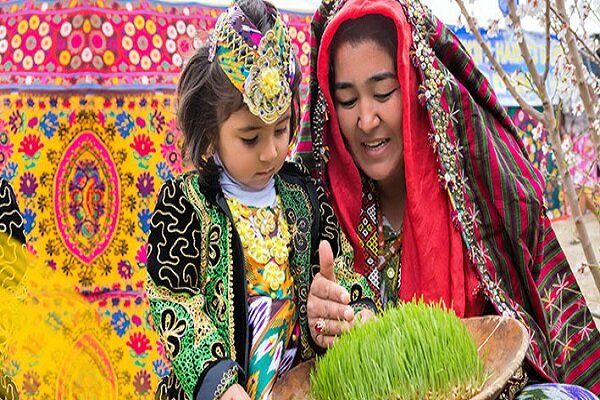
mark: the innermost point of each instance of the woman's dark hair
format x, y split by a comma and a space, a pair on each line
206, 98
369, 28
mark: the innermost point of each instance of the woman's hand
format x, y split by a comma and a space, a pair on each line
364, 315
329, 314
235, 392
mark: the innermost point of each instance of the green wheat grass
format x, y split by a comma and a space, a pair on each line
414, 351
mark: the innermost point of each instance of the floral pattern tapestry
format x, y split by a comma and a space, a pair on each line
86, 171
87, 137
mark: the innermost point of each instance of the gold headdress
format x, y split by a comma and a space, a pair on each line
261, 67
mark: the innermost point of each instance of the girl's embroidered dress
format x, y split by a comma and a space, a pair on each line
274, 326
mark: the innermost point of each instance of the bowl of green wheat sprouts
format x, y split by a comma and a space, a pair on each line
411, 352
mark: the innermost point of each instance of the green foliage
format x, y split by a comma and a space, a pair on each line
414, 351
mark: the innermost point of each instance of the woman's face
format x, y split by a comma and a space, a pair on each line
368, 103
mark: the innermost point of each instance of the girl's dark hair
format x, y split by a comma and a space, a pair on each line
206, 98
369, 28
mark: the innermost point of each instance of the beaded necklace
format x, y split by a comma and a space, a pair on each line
265, 236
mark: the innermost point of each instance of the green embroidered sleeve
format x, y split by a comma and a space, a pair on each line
183, 310
361, 295
324, 226
192, 343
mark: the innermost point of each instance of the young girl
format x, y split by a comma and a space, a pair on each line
232, 243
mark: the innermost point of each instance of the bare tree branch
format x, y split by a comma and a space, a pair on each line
587, 96
588, 52
525, 53
538, 116
547, 66
595, 14
571, 194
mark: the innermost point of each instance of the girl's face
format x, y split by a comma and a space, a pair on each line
368, 103
252, 151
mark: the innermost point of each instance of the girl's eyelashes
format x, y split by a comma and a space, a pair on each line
281, 131
250, 141
254, 140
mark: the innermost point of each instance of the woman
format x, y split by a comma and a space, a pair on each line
433, 189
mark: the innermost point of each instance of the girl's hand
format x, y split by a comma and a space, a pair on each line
235, 392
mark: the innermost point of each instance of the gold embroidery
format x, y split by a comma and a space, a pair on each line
229, 246
225, 382
265, 237
205, 222
194, 305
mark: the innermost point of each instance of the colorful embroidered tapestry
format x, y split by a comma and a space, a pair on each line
106, 44
86, 169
